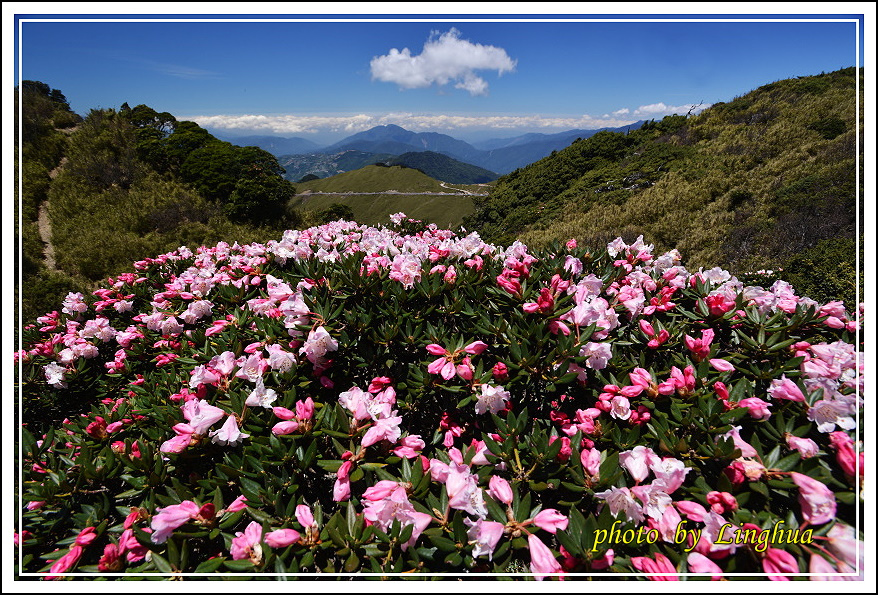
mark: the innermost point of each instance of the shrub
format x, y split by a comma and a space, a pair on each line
404, 400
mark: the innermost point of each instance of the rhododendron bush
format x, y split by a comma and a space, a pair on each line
406, 399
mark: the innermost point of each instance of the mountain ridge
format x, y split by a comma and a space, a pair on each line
502, 156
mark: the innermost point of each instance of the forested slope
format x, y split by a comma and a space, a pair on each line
130, 184
755, 183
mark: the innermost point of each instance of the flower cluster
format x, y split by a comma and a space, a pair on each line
408, 399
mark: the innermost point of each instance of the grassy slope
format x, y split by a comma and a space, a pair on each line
746, 184
374, 178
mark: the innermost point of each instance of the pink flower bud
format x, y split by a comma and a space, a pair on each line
86, 536
304, 516
500, 372
776, 560
285, 427
721, 365
476, 347
500, 490
541, 557
281, 538
435, 349
237, 504
704, 565
305, 410
283, 413
551, 520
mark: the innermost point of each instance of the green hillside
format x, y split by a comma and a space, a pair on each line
442, 167
375, 178
750, 184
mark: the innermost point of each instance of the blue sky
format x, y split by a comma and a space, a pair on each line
326, 80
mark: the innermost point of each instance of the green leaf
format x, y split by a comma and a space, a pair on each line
238, 565
161, 564
210, 565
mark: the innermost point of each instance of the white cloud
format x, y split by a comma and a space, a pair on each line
659, 109
444, 58
350, 124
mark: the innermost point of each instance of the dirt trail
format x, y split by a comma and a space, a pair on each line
45, 225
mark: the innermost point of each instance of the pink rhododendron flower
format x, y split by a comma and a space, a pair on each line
66, 562
341, 490
721, 502
829, 414
622, 500
692, 510
318, 344
591, 461
130, 547
807, 448
396, 506
654, 497
784, 388
305, 409
443, 366
746, 449
180, 442
637, 461
171, 517
818, 565
464, 492
845, 454
484, 535
777, 560
842, 542
757, 407
816, 500
703, 565
620, 407
667, 522
700, 348
111, 560
542, 560
670, 472
492, 398
476, 347
201, 415
86, 536
383, 429
229, 434
718, 304
651, 567
247, 545
500, 372
379, 383
410, 447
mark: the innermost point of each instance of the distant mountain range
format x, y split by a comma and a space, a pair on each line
436, 165
276, 145
495, 155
